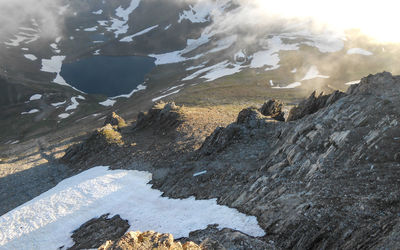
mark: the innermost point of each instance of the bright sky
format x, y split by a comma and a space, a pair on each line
375, 18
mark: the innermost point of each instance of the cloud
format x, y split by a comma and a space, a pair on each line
23, 13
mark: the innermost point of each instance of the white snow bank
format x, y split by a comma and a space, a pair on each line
313, 73
35, 97
359, 51
32, 111
201, 10
47, 221
56, 104
75, 102
53, 65
290, 86
353, 82
108, 103
215, 71
99, 12
120, 25
140, 87
270, 57
94, 28
30, 57
162, 96
130, 38
64, 115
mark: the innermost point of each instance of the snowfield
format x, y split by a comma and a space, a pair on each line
47, 221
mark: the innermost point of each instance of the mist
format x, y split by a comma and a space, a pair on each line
43, 15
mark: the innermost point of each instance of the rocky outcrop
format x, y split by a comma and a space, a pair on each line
115, 121
94, 232
312, 104
107, 138
274, 109
162, 115
148, 240
330, 180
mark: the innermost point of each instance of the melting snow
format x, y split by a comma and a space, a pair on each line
91, 29
120, 25
352, 82
30, 57
270, 57
168, 26
313, 73
56, 104
290, 86
200, 12
359, 52
75, 103
108, 103
99, 12
47, 221
96, 52
35, 97
140, 87
215, 71
53, 65
161, 97
64, 115
130, 38
30, 112
199, 173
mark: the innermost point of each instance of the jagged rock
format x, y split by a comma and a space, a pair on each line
115, 120
220, 139
312, 104
98, 141
250, 117
273, 108
213, 238
330, 180
94, 232
148, 240
162, 115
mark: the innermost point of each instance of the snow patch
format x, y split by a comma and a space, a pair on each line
108, 103
313, 73
94, 28
47, 221
359, 51
56, 104
35, 97
130, 38
32, 111
64, 115
75, 103
353, 82
99, 12
120, 25
290, 86
30, 57
199, 173
161, 97
53, 65
140, 87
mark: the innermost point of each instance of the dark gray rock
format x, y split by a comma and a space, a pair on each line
273, 108
98, 230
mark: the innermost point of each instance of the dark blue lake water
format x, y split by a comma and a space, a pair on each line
107, 75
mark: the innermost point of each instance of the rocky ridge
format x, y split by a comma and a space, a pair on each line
327, 178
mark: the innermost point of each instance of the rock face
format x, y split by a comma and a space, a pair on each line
330, 180
147, 240
115, 120
313, 103
273, 108
94, 232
